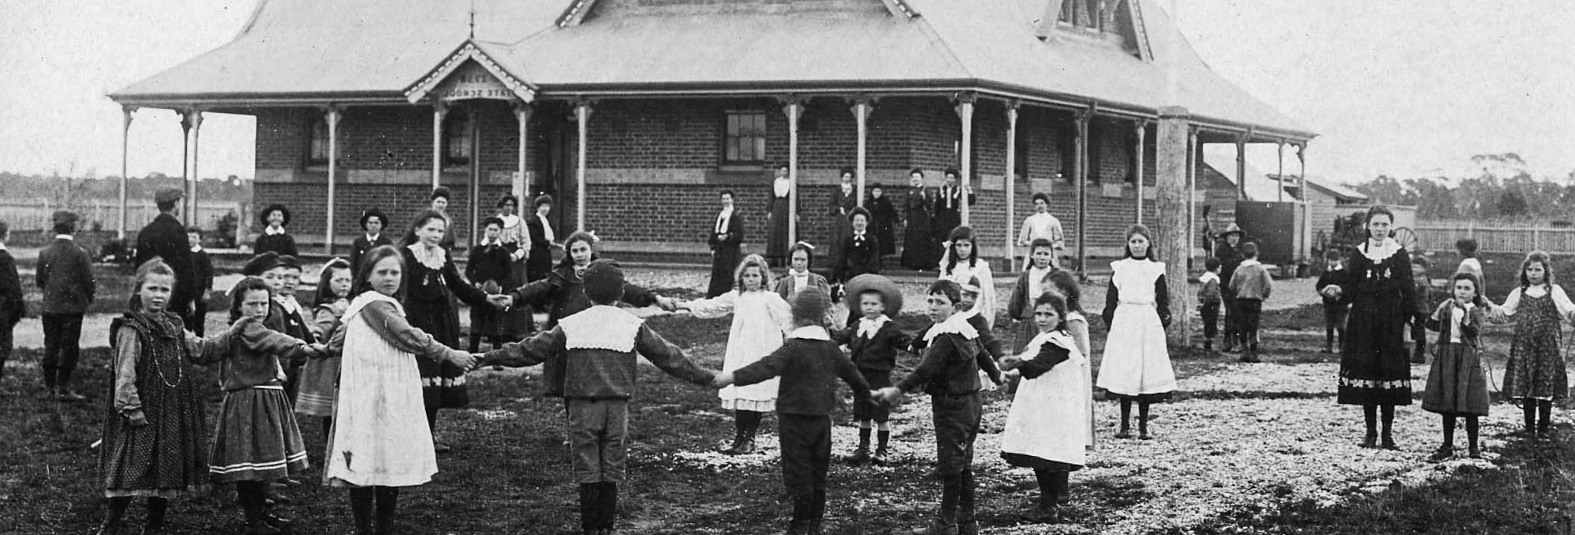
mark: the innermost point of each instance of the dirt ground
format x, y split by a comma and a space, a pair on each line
1241, 448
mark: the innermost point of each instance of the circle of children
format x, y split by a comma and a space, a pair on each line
376, 359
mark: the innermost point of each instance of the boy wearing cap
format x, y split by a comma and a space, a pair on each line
65, 273
809, 363
490, 267
598, 348
12, 308
1230, 257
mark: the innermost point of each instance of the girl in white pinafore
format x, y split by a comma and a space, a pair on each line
380, 439
1136, 366
1047, 427
761, 318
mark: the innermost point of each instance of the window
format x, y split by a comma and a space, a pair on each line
745, 137
317, 146
458, 132
1092, 14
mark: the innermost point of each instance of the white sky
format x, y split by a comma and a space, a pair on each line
1399, 88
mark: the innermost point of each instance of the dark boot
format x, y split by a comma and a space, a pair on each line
361, 508
945, 520
1044, 508
251, 495
1528, 408
817, 514
883, 440
967, 523
751, 427
803, 507
607, 508
1060, 484
1143, 421
387, 506
1544, 416
1389, 424
112, 516
862, 454
157, 509
590, 508
1126, 419
1370, 419
740, 429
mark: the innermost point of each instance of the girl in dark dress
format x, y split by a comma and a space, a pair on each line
1375, 369
154, 439
1535, 374
431, 283
1456, 386
273, 237
860, 252
883, 218
919, 249
542, 237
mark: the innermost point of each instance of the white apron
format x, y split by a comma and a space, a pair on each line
1049, 415
380, 434
1136, 358
760, 321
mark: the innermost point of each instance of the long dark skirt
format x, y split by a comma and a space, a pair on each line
919, 249
256, 437
443, 383
1375, 368
724, 260
168, 454
1456, 384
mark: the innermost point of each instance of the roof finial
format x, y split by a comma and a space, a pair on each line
472, 19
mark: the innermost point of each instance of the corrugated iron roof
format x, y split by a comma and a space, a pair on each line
312, 48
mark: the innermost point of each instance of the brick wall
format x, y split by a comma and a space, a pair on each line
386, 157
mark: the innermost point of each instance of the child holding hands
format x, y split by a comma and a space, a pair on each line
597, 348
873, 341
1535, 372
154, 438
1047, 429
809, 364
1456, 385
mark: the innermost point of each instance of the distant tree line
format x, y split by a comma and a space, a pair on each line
1503, 190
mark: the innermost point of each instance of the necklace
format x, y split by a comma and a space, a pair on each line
180, 372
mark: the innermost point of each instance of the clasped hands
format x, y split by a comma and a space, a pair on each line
890, 395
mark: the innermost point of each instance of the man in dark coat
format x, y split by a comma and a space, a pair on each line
165, 237
65, 273
726, 240
11, 306
1229, 253
948, 206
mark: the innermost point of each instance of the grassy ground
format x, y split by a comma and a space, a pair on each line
1244, 448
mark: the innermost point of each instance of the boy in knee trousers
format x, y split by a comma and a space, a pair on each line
65, 273
873, 341
598, 348
809, 363
1251, 285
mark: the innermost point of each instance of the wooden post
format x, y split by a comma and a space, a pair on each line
125, 151
1173, 244
439, 109
331, 116
1241, 166
1192, 187
1011, 180
1279, 177
861, 115
522, 111
794, 109
474, 112
965, 112
1080, 183
185, 166
582, 114
1142, 132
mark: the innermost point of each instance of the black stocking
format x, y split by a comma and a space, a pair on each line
1126, 415
1370, 417
1449, 431
1471, 432
1529, 408
1544, 415
1143, 417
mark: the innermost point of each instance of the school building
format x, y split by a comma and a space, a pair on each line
635, 114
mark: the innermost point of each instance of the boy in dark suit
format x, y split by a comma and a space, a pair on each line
873, 341
809, 363
490, 266
65, 273
11, 306
202, 282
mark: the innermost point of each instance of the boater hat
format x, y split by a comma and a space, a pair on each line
890, 294
1232, 229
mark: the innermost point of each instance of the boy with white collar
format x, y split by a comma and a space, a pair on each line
949, 373
809, 363
873, 341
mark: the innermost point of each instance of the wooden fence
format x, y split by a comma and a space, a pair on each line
1432, 237
34, 215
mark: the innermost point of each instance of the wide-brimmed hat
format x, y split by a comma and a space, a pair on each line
276, 207
371, 213
890, 293
1233, 229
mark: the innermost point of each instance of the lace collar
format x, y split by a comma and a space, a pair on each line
956, 324
431, 257
1382, 252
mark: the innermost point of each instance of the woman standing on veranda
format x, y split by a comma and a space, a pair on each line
1375, 368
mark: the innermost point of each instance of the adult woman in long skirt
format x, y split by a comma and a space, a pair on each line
1375, 370
431, 283
918, 246
539, 262
883, 218
777, 218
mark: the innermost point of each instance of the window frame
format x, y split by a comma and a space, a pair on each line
733, 138
458, 125
317, 138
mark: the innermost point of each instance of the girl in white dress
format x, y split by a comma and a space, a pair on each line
961, 263
1076, 324
1136, 366
761, 319
1046, 429
381, 440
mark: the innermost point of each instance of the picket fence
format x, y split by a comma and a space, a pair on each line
1496, 239
35, 215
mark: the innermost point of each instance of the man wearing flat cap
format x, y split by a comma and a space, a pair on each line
65, 273
165, 237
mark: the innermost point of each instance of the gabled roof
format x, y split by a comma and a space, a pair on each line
376, 50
